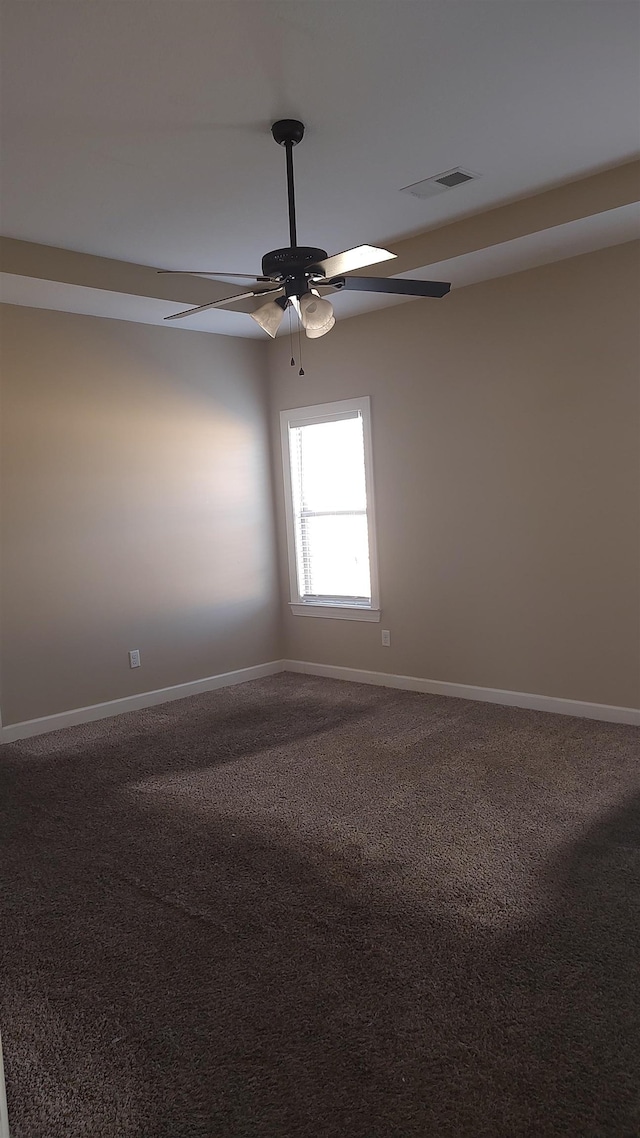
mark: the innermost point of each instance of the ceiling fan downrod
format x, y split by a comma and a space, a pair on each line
290, 264
288, 133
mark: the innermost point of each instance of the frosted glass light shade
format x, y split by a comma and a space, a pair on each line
314, 333
269, 317
316, 313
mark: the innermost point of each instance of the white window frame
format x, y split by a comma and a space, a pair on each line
304, 416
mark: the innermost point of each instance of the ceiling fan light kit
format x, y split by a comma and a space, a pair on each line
316, 315
296, 271
269, 316
315, 333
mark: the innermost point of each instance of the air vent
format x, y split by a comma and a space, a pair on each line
455, 178
431, 186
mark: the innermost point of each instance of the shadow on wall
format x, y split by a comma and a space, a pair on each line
190, 973
139, 512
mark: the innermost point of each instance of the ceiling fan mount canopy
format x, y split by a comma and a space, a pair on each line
297, 269
288, 131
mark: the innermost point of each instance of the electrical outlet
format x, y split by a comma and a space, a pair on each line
386, 638
134, 658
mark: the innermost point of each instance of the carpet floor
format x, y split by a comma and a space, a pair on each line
303, 908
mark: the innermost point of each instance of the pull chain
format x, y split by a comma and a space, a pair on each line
301, 372
293, 362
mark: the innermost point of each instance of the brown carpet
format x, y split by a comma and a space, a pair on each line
302, 908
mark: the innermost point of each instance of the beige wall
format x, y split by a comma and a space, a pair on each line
137, 505
137, 509
506, 436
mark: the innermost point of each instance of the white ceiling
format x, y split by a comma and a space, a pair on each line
139, 129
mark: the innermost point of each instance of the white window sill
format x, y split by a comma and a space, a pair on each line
336, 612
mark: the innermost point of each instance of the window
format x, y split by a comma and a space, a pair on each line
326, 453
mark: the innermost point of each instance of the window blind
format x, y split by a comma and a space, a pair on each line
328, 484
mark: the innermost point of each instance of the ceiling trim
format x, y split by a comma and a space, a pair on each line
578, 217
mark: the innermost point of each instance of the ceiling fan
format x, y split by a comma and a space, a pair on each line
294, 276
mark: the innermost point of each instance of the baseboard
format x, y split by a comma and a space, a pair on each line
29, 727
4, 1114
603, 711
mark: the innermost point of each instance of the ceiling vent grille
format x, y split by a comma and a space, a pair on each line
441, 182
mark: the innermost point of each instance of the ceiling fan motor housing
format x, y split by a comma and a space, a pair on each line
294, 262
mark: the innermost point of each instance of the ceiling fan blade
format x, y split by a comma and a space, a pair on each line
391, 285
220, 303
202, 273
357, 258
